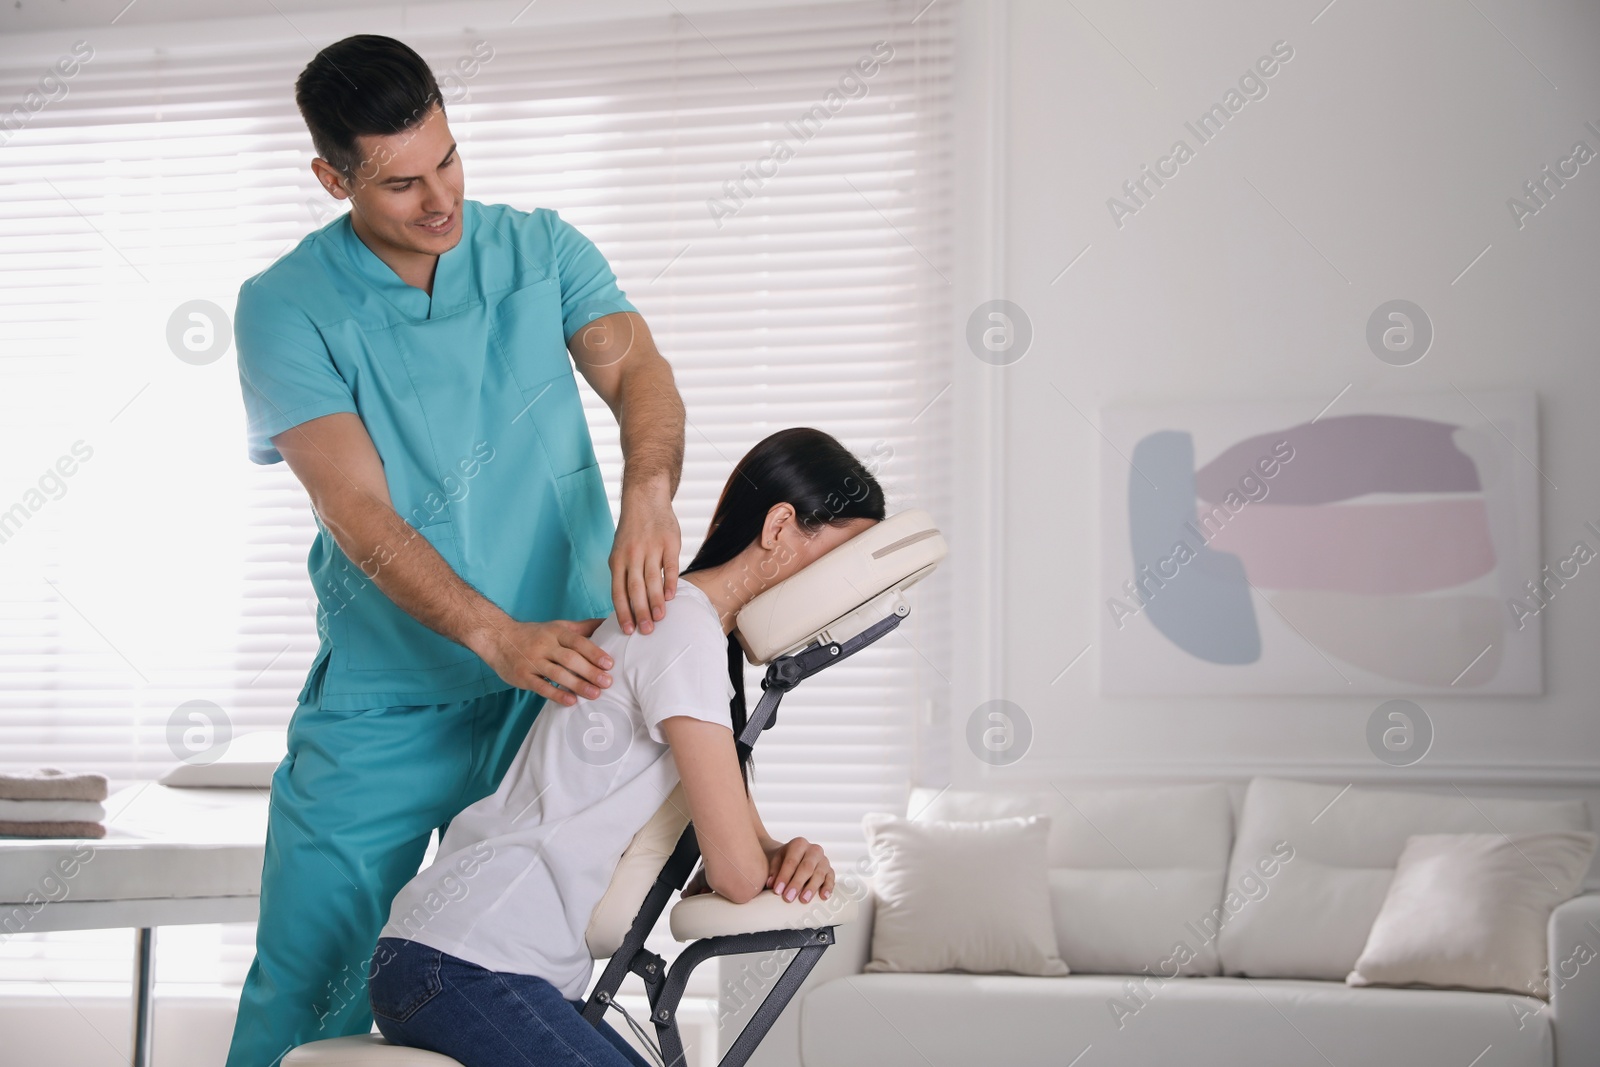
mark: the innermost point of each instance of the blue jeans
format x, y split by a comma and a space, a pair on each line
426, 998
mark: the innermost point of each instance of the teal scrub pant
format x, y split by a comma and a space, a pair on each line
352, 806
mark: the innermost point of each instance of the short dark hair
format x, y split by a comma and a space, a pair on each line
363, 85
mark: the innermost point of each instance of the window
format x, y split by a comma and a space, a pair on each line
778, 216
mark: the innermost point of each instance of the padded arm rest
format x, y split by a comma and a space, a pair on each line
1574, 980
710, 915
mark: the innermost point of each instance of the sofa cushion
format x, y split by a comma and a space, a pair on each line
968, 895
953, 1020
1340, 845
1473, 910
1136, 874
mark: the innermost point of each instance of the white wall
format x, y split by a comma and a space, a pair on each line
1389, 146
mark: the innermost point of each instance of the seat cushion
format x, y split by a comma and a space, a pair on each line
363, 1050
709, 915
1338, 847
956, 1020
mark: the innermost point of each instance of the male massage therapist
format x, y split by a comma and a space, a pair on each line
410, 362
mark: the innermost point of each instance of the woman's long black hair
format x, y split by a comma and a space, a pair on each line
825, 484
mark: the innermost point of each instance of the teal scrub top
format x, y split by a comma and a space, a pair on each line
472, 401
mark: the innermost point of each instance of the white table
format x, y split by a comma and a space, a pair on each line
170, 857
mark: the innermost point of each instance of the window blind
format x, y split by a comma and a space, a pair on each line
778, 216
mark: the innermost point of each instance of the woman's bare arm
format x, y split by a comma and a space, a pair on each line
768, 842
732, 850
739, 857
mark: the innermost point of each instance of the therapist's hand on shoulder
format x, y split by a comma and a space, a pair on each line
531, 655
644, 558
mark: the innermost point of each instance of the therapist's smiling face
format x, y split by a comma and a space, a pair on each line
407, 192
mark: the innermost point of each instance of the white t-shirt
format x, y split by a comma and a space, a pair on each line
519, 872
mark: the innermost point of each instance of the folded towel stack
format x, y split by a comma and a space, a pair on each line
50, 802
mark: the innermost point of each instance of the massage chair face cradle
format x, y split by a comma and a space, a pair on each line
836, 606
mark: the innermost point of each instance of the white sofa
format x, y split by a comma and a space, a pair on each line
1135, 871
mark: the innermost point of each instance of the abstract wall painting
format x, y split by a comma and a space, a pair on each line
1382, 546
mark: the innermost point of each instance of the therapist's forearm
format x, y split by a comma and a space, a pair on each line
536, 655
651, 419
335, 459
406, 567
618, 356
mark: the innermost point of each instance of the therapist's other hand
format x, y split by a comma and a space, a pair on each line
798, 870
644, 557
531, 655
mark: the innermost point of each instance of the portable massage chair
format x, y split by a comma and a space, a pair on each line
839, 604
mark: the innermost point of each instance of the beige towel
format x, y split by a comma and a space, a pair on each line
52, 811
52, 783
15, 828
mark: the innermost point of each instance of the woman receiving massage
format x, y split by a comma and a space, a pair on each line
483, 958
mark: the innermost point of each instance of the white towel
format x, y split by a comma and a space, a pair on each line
52, 811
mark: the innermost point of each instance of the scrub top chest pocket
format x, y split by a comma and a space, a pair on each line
527, 334
525, 328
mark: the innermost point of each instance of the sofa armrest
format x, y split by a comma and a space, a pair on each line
743, 982
1575, 980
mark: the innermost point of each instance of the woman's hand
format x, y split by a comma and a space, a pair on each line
797, 869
